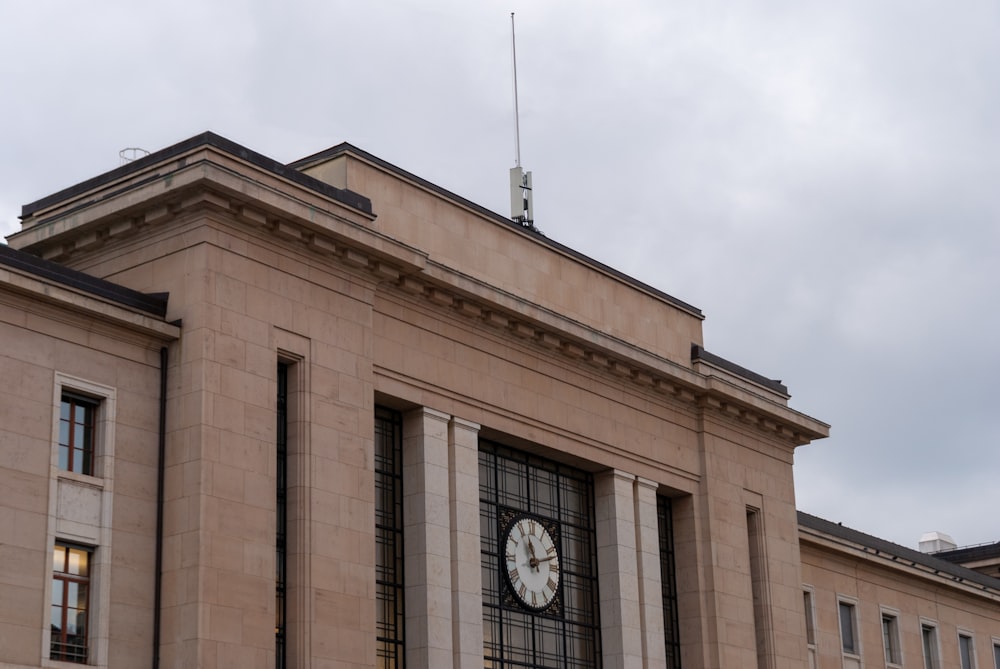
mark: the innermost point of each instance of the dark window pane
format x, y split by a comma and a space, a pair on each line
389, 536
668, 582
564, 636
847, 627
76, 434
929, 638
965, 651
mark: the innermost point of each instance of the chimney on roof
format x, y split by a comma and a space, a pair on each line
935, 542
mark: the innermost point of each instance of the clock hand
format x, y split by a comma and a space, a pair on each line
546, 559
533, 562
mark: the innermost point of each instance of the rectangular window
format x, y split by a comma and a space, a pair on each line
281, 521
966, 652
668, 582
890, 638
758, 584
807, 602
810, 612
70, 603
566, 634
996, 654
848, 628
928, 636
77, 428
389, 537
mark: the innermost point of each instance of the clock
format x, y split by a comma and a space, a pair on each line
531, 562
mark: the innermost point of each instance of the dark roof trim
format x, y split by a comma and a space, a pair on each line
342, 195
931, 562
344, 148
970, 553
699, 353
151, 303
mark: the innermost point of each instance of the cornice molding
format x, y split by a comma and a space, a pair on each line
853, 552
83, 305
286, 210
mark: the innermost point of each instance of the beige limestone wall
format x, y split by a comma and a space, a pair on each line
248, 295
526, 391
516, 262
40, 341
914, 596
574, 414
719, 626
245, 303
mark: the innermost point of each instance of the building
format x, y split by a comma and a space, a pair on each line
328, 414
872, 603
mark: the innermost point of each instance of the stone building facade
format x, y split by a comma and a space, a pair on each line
329, 415
872, 603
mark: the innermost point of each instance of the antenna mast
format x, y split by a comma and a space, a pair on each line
521, 209
517, 119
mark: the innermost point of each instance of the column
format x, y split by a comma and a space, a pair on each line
621, 634
647, 539
466, 574
427, 539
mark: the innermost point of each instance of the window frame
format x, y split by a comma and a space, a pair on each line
849, 603
668, 581
894, 649
568, 634
88, 432
97, 537
64, 577
104, 400
996, 652
809, 607
931, 656
390, 583
966, 634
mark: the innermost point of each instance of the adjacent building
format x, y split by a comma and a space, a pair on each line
330, 415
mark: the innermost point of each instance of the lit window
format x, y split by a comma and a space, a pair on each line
965, 651
848, 628
70, 603
928, 635
77, 420
890, 638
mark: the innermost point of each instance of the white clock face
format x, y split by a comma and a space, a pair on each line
532, 563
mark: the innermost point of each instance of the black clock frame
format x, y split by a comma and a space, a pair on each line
506, 519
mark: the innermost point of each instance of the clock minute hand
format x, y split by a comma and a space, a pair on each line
546, 559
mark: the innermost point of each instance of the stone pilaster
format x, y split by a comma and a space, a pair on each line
427, 539
466, 574
647, 539
621, 634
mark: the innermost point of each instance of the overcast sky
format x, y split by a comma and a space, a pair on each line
820, 178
